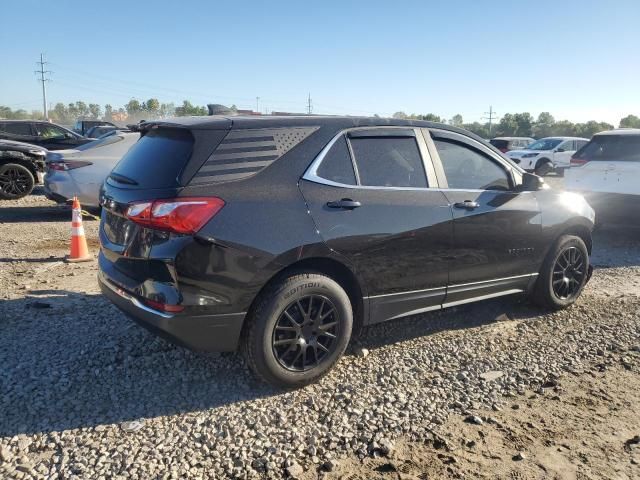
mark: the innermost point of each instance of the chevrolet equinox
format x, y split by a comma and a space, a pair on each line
281, 236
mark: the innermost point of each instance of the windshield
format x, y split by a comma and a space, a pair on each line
545, 144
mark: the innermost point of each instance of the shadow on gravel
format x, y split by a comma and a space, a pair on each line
616, 246
69, 360
35, 214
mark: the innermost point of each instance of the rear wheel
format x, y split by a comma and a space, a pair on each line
16, 181
563, 275
298, 330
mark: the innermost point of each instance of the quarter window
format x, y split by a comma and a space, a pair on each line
336, 165
389, 162
466, 168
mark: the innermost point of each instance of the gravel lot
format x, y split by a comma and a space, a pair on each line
88, 394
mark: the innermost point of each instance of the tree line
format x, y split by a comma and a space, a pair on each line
525, 125
511, 124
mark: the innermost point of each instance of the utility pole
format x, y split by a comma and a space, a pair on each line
43, 79
257, 104
309, 105
491, 117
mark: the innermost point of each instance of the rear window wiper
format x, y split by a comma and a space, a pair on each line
122, 179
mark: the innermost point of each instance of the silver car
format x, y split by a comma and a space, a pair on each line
82, 171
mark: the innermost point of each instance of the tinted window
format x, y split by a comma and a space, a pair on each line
49, 131
17, 128
389, 162
337, 165
468, 169
499, 144
580, 144
611, 148
156, 160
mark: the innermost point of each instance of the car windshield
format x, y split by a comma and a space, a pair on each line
545, 144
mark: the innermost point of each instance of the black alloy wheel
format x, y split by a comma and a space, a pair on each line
305, 333
16, 181
568, 273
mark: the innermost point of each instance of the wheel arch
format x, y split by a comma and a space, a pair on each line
581, 232
29, 165
332, 268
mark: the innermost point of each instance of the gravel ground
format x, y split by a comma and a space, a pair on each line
88, 394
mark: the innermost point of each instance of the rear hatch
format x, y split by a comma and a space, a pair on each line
608, 163
153, 173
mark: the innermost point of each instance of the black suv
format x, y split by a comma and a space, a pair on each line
282, 235
44, 134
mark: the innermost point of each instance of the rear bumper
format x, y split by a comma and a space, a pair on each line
204, 332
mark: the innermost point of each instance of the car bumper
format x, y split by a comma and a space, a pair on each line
203, 332
61, 188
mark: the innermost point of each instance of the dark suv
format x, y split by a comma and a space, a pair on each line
282, 235
44, 134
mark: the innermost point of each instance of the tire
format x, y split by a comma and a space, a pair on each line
543, 167
555, 290
16, 181
278, 355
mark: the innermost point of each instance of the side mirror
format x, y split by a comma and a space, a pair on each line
531, 183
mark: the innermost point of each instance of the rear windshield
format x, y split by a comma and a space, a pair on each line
154, 161
499, 143
611, 147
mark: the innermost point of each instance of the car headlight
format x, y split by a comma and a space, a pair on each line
530, 155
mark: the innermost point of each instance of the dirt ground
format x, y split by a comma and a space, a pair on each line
585, 427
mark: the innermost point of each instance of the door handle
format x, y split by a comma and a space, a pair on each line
467, 204
345, 204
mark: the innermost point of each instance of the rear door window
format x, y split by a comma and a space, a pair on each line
389, 162
154, 161
17, 128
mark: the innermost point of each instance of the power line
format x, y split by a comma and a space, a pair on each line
42, 72
491, 117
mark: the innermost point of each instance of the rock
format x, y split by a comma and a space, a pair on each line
362, 352
503, 318
519, 456
295, 470
329, 465
491, 375
385, 446
132, 426
474, 419
5, 454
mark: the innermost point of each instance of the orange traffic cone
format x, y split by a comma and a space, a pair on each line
79, 249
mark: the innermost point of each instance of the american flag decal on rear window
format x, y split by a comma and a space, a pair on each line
244, 153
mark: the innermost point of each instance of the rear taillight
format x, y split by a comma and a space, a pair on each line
578, 162
163, 307
67, 165
184, 215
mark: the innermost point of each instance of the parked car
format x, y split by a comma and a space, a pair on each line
100, 130
81, 172
283, 235
21, 168
606, 170
82, 126
548, 154
505, 144
44, 134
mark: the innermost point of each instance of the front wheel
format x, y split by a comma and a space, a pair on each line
543, 167
16, 181
564, 274
298, 330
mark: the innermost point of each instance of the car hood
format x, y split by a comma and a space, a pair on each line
520, 153
20, 146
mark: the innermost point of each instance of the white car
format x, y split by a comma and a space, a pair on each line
81, 172
607, 172
548, 154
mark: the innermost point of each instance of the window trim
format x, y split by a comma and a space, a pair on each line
311, 174
431, 133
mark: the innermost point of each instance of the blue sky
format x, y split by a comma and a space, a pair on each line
577, 59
